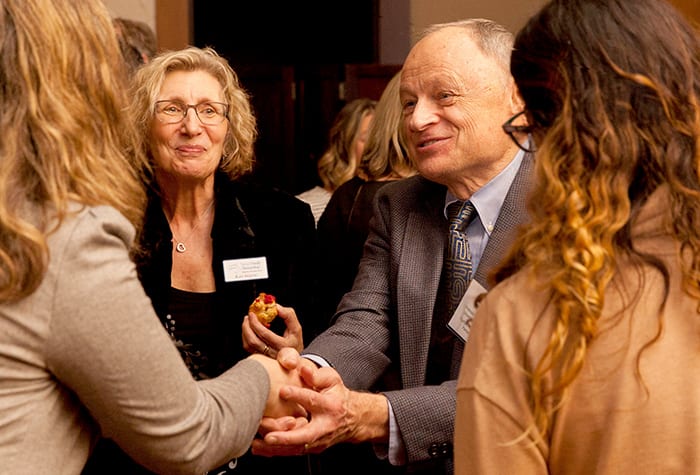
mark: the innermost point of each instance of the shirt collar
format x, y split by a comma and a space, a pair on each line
488, 199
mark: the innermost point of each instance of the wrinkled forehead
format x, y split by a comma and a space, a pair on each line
450, 56
450, 41
195, 85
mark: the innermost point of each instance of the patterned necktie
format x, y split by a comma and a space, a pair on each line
458, 260
456, 275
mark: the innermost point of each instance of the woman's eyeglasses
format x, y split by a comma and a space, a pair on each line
173, 112
511, 129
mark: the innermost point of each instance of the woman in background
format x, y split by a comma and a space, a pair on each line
344, 224
137, 41
346, 142
584, 359
81, 349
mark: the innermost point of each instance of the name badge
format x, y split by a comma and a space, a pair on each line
250, 268
461, 321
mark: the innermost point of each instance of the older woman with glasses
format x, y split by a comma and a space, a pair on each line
212, 239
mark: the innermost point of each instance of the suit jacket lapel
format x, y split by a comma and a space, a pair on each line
513, 214
418, 280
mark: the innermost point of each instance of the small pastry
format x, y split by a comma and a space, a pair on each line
264, 307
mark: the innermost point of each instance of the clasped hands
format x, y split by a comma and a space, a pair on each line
314, 410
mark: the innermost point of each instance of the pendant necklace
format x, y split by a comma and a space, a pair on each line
180, 244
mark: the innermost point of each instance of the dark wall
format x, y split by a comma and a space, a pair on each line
291, 58
289, 32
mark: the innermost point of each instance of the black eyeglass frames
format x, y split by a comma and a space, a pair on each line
511, 129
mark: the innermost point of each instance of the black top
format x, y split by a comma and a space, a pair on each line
249, 221
190, 324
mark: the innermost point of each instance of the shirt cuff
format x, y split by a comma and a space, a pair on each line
320, 361
396, 452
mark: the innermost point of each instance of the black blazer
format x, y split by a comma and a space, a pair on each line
342, 232
250, 221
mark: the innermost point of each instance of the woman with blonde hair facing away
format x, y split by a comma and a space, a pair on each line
81, 349
346, 142
585, 357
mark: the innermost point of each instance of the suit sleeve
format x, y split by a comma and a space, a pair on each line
358, 342
363, 342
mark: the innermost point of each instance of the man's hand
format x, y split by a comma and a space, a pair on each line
337, 414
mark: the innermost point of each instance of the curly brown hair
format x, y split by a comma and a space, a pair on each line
611, 89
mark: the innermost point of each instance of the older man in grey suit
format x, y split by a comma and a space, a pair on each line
456, 92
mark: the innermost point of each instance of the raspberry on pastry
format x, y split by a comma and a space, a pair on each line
264, 307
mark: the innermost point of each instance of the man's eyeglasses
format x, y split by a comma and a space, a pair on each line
511, 129
173, 112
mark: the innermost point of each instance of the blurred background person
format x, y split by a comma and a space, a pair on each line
344, 224
81, 349
212, 240
137, 41
584, 359
338, 164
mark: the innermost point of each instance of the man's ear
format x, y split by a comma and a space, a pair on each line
516, 101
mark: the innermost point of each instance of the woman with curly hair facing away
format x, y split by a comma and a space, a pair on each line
344, 224
583, 359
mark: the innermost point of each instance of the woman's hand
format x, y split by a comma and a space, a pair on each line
259, 339
283, 372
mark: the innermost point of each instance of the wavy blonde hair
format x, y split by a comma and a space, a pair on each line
65, 137
385, 154
338, 163
239, 143
612, 91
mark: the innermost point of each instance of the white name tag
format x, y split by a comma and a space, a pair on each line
251, 268
461, 321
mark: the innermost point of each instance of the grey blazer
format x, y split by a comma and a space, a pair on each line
381, 331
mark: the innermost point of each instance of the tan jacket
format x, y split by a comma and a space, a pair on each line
86, 351
616, 421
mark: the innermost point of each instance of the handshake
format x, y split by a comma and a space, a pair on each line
309, 408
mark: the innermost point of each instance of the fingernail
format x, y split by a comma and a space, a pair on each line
271, 440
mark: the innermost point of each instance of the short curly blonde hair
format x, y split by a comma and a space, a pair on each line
239, 144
